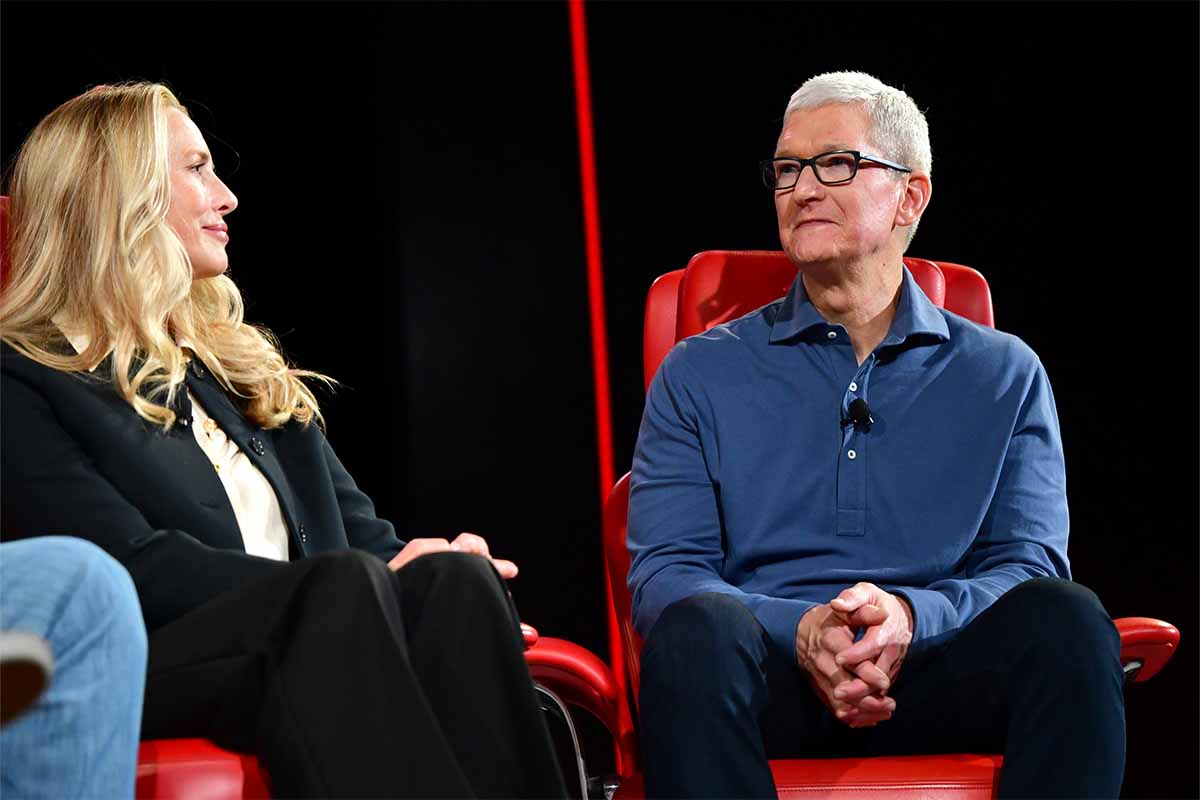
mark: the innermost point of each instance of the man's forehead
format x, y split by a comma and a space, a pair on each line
813, 147
805, 146
838, 126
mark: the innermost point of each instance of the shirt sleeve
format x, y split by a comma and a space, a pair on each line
1024, 531
674, 533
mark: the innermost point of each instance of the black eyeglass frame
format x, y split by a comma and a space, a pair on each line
859, 157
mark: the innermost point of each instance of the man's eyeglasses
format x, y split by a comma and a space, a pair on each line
832, 169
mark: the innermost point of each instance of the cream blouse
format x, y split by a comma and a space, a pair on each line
254, 502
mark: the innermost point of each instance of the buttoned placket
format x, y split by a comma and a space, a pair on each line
853, 457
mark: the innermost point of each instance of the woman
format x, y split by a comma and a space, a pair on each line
140, 412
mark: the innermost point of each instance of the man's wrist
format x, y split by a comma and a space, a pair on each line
801, 645
908, 612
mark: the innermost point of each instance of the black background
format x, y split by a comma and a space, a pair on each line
411, 224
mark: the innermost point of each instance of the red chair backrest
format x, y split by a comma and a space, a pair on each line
715, 287
722, 285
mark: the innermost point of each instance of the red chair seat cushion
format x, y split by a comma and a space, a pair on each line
949, 777
942, 777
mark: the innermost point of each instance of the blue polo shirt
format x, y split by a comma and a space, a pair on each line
745, 481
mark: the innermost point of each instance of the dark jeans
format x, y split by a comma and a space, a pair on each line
349, 680
1037, 677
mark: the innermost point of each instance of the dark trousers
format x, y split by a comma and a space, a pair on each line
349, 680
1036, 677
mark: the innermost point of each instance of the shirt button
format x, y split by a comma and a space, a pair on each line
303, 534
198, 369
853, 386
831, 335
850, 454
256, 445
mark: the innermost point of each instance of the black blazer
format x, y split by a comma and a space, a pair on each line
76, 460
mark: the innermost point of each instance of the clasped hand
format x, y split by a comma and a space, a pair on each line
463, 543
853, 678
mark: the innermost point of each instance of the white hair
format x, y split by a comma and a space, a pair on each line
898, 128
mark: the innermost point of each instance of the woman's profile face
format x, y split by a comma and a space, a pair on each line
199, 199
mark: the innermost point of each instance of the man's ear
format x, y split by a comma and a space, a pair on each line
917, 190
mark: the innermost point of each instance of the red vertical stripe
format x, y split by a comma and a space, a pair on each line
595, 273
591, 229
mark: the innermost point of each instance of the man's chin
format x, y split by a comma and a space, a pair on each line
811, 255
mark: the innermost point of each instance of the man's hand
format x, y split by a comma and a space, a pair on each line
822, 634
876, 657
463, 543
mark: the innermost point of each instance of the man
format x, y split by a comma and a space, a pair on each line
848, 518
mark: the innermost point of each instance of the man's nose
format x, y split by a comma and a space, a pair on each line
807, 186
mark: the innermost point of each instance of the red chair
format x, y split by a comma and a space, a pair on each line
718, 286
197, 768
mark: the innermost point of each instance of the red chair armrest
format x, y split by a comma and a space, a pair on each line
577, 676
1149, 641
581, 679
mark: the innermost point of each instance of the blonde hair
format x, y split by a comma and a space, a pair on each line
91, 247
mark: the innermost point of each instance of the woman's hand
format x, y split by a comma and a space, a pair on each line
463, 543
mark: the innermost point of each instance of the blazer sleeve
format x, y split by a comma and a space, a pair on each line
364, 529
51, 487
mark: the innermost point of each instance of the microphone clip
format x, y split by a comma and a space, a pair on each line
858, 414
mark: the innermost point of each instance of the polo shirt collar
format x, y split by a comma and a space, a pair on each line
915, 314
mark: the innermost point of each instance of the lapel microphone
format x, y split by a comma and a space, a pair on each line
858, 414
